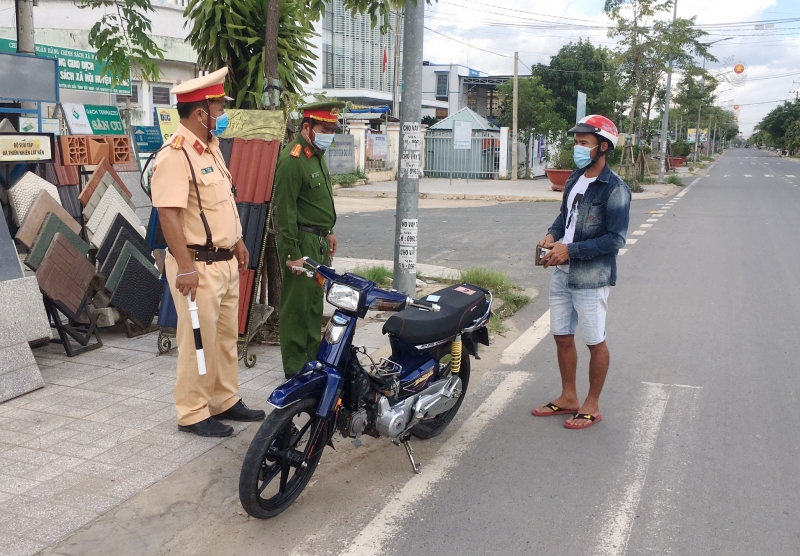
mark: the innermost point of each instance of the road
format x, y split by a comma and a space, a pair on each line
697, 451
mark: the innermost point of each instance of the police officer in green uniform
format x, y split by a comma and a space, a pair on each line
305, 216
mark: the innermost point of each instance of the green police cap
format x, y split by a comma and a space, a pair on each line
323, 111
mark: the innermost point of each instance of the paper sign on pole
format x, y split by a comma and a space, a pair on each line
462, 135
580, 113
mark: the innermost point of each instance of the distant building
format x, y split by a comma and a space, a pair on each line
457, 87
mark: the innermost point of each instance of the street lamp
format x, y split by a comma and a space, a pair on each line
700, 108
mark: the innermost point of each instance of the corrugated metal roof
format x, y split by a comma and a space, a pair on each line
478, 122
253, 169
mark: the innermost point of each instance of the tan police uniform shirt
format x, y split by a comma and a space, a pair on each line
171, 186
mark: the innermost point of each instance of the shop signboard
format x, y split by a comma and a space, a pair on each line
148, 138
341, 155
77, 69
167, 120
31, 125
91, 119
26, 147
254, 124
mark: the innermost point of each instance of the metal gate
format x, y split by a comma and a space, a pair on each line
480, 161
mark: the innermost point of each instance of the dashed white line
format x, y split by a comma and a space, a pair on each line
639, 232
622, 251
652, 219
748, 175
645, 225
529, 339
768, 176
630, 241
790, 176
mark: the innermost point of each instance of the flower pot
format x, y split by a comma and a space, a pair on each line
558, 177
675, 161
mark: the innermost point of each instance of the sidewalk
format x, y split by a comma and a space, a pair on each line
489, 190
103, 429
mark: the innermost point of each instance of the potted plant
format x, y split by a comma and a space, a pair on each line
559, 163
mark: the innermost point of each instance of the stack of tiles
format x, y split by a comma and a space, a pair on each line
19, 373
253, 218
129, 251
103, 177
69, 200
65, 175
111, 204
246, 279
24, 193
121, 228
65, 276
74, 150
10, 268
52, 227
42, 206
124, 237
138, 290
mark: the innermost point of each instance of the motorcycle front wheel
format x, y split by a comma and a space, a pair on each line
428, 428
281, 459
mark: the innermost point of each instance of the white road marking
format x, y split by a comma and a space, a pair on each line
639, 232
621, 507
652, 219
645, 225
630, 241
622, 251
384, 525
675, 385
748, 176
529, 339
790, 176
768, 176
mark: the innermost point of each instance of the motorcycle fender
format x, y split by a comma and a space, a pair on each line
474, 338
308, 383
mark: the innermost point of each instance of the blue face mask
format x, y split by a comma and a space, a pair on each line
323, 140
582, 155
222, 125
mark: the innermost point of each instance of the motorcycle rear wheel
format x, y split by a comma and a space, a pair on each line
428, 428
276, 456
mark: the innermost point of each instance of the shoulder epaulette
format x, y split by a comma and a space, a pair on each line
296, 150
177, 142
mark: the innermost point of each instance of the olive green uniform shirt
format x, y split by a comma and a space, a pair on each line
303, 195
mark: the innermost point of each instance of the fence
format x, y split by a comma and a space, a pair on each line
480, 161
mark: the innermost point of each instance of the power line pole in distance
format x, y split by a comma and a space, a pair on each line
665, 115
514, 133
406, 220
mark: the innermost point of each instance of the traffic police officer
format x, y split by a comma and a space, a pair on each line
305, 216
191, 187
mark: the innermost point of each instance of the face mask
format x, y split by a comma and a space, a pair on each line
221, 125
323, 140
582, 155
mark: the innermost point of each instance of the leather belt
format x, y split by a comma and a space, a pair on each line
203, 254
312, 230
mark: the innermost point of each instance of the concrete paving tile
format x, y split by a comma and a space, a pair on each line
68, 410
12, 545
42, 393
154, 465
54, 475
116, 358
81, 425
27, 455
163, 393
44, 492
121, 453
172, 440
15, 437
131, 483
14, 425
97, 469
156, 451
17, 468
74, 449
15, 485
86, 501
50, 439
116, 438
53, 530
17, 525
43, 361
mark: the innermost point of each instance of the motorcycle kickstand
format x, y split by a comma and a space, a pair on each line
410, 453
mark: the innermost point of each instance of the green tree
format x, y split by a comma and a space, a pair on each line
122, 40
580, 67
776, 129
536, 111
646, 46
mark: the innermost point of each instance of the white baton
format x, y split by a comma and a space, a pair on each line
198, 340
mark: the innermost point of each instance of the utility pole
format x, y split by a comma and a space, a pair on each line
24, 10
398, 24
699, 111
514, 132
406, 220
665, 116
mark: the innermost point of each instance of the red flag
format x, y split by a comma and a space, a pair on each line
385, 60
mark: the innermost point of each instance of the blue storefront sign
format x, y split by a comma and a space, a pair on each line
148, 138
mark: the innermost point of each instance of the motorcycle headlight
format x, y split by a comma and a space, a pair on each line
344, 297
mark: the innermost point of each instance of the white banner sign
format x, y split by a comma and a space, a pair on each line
462, 135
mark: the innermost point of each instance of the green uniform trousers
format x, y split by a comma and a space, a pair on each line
301, 308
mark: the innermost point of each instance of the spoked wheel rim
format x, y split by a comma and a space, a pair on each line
287, 463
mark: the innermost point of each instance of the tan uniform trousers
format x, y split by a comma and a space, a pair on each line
199, 397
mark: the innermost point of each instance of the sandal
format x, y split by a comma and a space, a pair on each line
554, 410
591, 418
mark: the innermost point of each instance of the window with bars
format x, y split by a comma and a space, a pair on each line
159, 94
134, 96
441, 85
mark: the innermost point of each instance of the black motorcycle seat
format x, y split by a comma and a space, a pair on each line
460, 306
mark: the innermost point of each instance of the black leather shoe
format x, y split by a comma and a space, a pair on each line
240, 412
209, 427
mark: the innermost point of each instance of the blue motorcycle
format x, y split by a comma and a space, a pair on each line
416, 392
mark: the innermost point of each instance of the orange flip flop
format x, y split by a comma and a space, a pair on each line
591, 418
554, 410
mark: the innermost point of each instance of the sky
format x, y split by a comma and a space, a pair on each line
483, 34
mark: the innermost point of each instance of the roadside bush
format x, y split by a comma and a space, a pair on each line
348, 180
675, 180
681, 148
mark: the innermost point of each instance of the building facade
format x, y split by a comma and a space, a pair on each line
456, 87
61, 23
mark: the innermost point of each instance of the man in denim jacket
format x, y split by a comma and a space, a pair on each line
591, 226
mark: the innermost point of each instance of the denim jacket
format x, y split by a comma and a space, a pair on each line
600, 229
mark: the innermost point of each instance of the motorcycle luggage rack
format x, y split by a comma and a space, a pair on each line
384, 368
